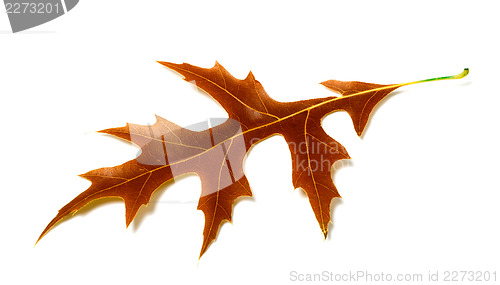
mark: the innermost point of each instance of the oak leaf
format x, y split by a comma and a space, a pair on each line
216, 154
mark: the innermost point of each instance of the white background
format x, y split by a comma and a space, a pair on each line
420, 193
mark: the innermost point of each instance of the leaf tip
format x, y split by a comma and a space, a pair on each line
325, 232
45, 231
203, 249
128, 218
49, 227
218, 65
110, 131
167, 64
158, 118
250, 76
87, 175
163, 63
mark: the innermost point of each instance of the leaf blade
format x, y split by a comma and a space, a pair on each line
216, 154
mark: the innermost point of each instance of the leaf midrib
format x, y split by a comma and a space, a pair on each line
256, 128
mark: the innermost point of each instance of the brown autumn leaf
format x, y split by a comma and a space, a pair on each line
216, 154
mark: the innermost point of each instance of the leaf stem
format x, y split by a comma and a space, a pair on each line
457, 76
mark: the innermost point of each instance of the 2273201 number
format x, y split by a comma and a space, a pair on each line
32, 8
467, 275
